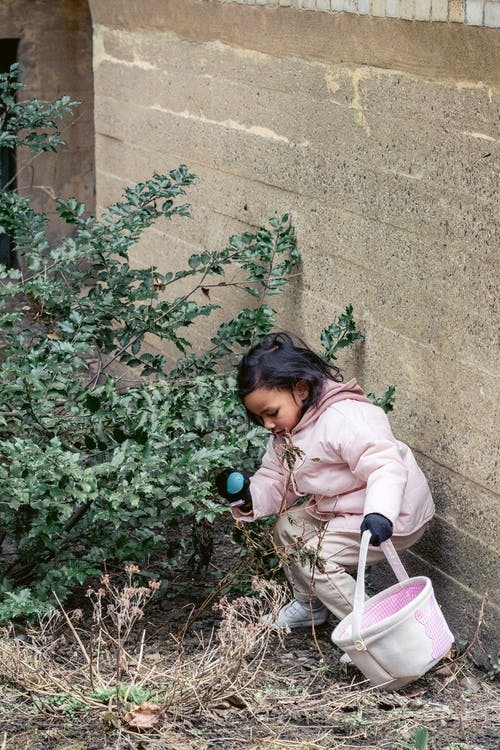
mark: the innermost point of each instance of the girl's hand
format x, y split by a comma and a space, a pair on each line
379, 525
234, 486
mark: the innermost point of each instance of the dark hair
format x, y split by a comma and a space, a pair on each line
280, 361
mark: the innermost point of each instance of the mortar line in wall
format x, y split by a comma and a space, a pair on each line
437, 128
341, 209
358, 265
320, 197
210, 167
374, 170
374, 271
457, 360
161, 233
482, 370
230, 216
278, 188
114, 176
383, 69
168, 235
449, 577
451, 470
463, 531
317, 198
240, 218
422, 129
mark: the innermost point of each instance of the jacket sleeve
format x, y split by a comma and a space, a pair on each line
267, 487
371, 452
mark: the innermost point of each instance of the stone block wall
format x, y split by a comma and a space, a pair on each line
380, 137
55, 53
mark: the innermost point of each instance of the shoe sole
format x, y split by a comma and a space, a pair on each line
266, 620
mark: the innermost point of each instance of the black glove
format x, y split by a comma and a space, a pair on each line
234, 486
379, 525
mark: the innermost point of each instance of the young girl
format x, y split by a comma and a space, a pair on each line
332, 469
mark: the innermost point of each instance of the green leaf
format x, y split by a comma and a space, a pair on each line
340, 334
386, 401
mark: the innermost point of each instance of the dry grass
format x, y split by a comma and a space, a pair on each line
235, 689
60, 656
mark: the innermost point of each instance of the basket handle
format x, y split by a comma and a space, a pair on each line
394, 561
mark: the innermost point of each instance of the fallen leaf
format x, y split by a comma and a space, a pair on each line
416, 692
395, 700
445, 670
470, 684
144, 716
236, 700
153, 657
416, 703
230, 701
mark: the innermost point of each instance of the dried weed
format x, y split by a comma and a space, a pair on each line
183, 698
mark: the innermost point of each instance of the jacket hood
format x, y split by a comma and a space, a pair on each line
331, 394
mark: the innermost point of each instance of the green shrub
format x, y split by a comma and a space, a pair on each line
91, 471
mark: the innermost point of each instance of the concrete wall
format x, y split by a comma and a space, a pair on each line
55, 52
380, 137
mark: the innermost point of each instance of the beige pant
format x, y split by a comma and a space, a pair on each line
316, 560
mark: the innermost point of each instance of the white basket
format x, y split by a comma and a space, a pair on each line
398, 635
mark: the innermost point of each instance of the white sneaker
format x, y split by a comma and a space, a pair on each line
298, 615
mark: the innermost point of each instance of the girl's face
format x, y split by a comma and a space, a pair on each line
278, 410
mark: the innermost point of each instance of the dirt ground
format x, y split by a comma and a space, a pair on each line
205, 677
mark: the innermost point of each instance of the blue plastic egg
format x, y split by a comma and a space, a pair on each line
235, 482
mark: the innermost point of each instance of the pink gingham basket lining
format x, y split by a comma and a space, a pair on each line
388, 605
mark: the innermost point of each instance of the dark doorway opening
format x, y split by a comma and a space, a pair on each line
8, 56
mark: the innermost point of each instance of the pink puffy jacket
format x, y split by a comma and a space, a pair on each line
348, 464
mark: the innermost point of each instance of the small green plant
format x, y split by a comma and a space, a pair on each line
30, 123
419, 741
127, 693
386, 400
356, 720
344, 333
340, 334
462, 643
66, 703
493, 672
